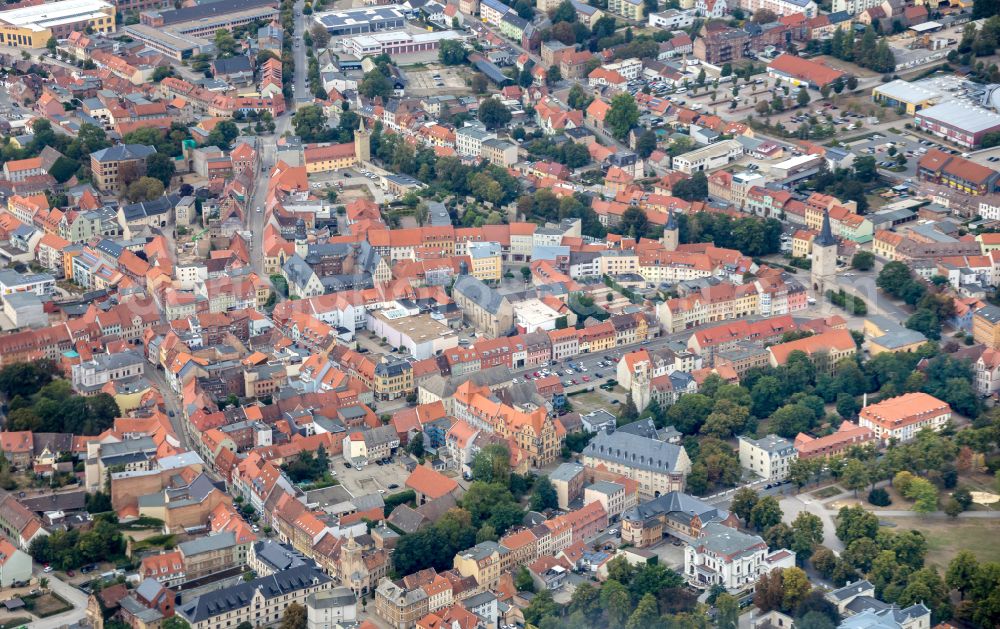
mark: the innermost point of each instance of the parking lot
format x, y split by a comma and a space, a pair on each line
435, 80
372, 478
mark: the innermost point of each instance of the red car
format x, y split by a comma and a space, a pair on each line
538, 375
586, 378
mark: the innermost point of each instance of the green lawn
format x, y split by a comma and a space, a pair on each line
828, 492
946, 537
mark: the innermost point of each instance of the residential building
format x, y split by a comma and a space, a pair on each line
825, 349
261, 601
900, 418
634, 10
115, 167
986, 326
15, 565
835, 444
724, 556
675, 514
658, 467
768, 457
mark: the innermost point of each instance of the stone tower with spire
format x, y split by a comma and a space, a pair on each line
671, 233
362, 143
824, 259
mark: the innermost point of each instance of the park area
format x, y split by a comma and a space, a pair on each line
947, 537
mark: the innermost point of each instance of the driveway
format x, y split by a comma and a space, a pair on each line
792, 506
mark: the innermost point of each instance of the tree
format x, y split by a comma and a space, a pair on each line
616, 602
807, 534
744, 500
863, 261
543, 495
727, 611
689, 412
586, 599
855, 522
766, 513
375, 84
646, 613
962, 572
764, 16
25, 379
225, 43
162, 72
769, 593
855, 475
492, 465
726, 419
553, 75
824, 561
694, 188
451, 52
924, 495
622, 116
161, 167
860, 553
223, 134
144, 189
523, 581
778, 536
321, 36
176, 622
633, 223
493, 114
802, 98
879, 497
852, 83
578, 98
646, 144
795, 585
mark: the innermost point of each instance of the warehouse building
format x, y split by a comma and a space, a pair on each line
32, 27
395, 43
911, 96
961, 123
362, 20
177, 47
206, 20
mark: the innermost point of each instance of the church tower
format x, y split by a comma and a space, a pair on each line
362, 143
824, 259
671, 233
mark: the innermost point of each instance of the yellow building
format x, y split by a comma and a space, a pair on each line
988, 242
482, 562
802, 243
32, 27
393, 378
986, 326
885, 335
487, 262
885, 243
629, 9
326, 158
322, 159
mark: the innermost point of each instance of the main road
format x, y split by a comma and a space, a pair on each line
268, 147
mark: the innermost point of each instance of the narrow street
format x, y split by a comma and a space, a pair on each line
268, 143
